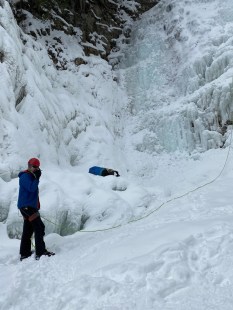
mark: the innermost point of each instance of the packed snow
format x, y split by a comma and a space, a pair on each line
158, 237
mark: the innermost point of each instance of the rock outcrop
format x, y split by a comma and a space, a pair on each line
98, 23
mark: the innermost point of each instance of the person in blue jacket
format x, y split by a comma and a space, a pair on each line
29, 205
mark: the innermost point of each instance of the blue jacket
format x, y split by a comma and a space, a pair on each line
28, 190
96, 170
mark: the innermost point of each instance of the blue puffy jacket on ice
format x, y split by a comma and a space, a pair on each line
96, 170
28, 190
103, 171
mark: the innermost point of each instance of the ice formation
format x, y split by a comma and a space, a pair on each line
179, 77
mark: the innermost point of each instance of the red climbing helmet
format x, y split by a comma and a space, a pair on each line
34, 162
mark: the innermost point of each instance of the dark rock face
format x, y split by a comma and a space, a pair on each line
101, 21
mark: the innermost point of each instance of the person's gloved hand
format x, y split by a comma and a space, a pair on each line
117, 174
37, 174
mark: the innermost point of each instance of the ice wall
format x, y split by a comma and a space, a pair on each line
45, 112
178, 74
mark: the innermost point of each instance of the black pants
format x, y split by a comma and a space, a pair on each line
32, 223
106, 172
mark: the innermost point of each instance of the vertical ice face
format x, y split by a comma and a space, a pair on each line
54, 115
178, 75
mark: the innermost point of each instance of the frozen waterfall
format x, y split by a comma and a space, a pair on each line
178, 73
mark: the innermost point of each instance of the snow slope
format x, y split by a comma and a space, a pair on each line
157, 126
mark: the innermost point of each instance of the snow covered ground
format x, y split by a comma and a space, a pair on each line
178, 258
159, 120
